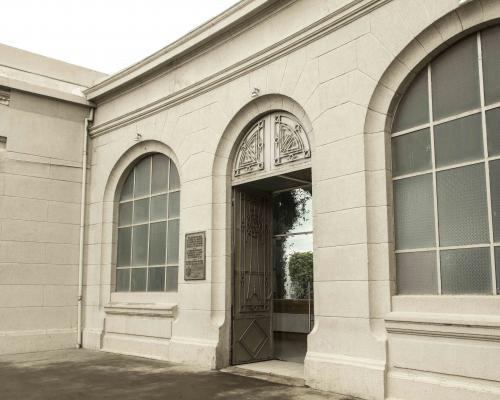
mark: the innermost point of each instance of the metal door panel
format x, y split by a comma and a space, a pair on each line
252, 287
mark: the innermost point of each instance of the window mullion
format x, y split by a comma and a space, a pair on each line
132, 235
167, 225
486, 163
434, 177
148, 243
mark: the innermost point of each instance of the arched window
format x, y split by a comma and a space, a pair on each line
446, 173
148, 227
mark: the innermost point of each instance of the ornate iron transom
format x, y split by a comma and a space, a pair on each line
276, 139
290, 141
250, 155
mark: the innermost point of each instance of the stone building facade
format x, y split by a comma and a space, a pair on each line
383, 113
42, 113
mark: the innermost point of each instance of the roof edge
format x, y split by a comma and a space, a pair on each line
234, 15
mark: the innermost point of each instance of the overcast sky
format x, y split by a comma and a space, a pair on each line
104, 35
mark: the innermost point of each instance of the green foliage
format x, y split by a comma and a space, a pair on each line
300, 266
288, 208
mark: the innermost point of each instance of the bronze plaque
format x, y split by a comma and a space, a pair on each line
194, 260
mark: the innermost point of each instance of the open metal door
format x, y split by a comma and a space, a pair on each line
252, 338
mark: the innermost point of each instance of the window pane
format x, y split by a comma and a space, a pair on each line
141, 211
138, 280
142, 177
462, 206
455, 79
159, 207
287, 284
156, 279
174, 181
128, 187
140, 247
159, 179
123, 280
172, 279
490, 39
124, 242
173, 242
292, 211
411, 153
495, 198
125, 214
459, 141
173, 204
414, 212
417, 273
466, 271
157, 243
497, 262
413, 109
493, 128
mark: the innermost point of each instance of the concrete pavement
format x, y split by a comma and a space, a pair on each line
83, 374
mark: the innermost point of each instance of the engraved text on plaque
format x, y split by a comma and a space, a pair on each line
194, 260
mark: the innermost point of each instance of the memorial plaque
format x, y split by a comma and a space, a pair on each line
194, 260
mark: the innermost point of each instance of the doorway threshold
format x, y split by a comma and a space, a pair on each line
283, 372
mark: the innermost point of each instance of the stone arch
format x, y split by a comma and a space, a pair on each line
119, 172
434, 39
221, 197
243, 118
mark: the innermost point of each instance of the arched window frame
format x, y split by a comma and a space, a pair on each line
165, 197
486, 113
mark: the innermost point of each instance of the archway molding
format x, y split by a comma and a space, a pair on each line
116, 178
391, 86
222, 172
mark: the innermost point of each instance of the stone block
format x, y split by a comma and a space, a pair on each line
347, 227
60, 295
341, 263
21, 296
340, 158
341, 299
342, 193
338, 62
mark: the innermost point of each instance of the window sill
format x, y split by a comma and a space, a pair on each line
457, 305
145, 298
162, 305
142, 310
456, 326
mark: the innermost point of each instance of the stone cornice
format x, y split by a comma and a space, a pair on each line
336, 20
11, 78
234, 16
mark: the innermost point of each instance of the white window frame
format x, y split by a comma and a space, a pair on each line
149, 222
434, 170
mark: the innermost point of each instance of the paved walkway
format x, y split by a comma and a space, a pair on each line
83, 374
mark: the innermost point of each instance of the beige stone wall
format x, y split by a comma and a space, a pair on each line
341, 76
40, 189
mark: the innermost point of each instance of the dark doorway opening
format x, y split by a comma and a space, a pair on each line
273, 295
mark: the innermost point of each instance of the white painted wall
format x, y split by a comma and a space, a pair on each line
41, 121
341, 77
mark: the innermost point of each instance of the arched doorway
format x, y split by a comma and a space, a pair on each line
272, 251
